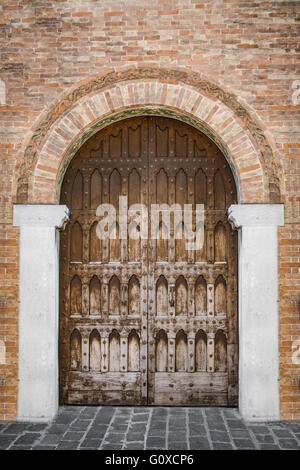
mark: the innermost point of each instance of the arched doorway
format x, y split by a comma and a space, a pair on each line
148, 320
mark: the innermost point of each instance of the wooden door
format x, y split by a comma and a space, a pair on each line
147, 321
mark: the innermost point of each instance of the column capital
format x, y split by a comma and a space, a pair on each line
255, 215
40, 215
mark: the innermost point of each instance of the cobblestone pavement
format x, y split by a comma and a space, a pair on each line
116, 428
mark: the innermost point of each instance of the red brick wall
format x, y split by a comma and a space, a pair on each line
247, 48
9, 319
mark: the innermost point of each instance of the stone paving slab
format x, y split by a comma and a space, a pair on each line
160, 428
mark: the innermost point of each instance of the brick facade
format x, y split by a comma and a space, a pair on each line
227, 67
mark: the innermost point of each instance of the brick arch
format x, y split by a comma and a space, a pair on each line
118, 95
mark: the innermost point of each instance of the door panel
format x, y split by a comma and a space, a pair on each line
104, 282
192, 343
148, 321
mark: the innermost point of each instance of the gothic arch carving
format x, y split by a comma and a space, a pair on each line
204, 105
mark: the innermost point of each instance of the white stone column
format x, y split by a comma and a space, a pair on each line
38, 312
258, 308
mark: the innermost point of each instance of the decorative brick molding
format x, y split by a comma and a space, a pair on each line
117, 95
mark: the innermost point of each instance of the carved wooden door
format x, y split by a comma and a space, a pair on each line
146, 320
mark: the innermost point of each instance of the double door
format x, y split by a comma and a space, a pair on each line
145, 318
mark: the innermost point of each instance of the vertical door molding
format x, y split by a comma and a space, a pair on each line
258, 308
38, 313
